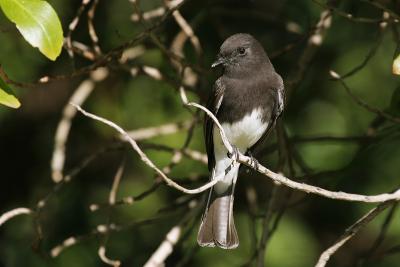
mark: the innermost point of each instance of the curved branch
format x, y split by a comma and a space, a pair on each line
13, 213
350, 232
277, 178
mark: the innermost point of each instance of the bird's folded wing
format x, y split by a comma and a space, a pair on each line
213, 105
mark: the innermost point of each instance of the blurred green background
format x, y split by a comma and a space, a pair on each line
317, 107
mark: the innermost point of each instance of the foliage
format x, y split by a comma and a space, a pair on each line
38, 23
6, 96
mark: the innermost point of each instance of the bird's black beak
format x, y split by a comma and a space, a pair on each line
220, 60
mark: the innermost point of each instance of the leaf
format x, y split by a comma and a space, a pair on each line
6, 96
38, 23
396, 66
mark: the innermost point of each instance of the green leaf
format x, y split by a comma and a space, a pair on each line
6, 96
38, 23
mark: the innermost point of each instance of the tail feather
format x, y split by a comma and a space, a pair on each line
217, 227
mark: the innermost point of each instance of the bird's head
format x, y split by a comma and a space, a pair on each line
241, 52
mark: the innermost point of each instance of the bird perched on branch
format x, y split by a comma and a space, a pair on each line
247, 100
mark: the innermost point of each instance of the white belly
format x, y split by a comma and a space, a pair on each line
242, 134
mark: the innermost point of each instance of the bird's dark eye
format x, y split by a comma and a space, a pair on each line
241, 50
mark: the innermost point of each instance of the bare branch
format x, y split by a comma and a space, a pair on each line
72, 26
350, 232
314, 41
190, 78
349, 16
65, 244
155, 13
92, 31
164, 129
103, 257
79, 96
165, 248
380, 238
362, 103
13, 213
100, 229
82, 50
145, 159
115, 185
185, 28
128, 200
383, 8
277, 178
280, 179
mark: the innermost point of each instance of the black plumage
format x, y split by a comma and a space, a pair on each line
247, 100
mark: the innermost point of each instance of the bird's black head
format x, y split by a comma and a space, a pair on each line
242, 53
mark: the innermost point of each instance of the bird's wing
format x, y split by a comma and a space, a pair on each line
281, 97
278, 95
213, 105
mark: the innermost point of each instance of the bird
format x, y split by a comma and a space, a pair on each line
247, 100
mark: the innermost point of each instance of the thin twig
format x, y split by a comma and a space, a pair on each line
111, 200
361, 102
101, 229
277, 178
92, 31
314, 41
165, 248
64, 126
164, 129
72, 27
380, 238
383, 8
350, 232
145, 159
349, 16
13, 213
171, 239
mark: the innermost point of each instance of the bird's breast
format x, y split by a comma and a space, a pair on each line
245, 132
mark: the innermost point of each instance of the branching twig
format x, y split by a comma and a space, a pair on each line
314, 41
350, 232
378, 241
92, 31
145, 159
383, 8
79, 96
362, 103
111, 200
101, 229
72, 26
349, 16
277, 178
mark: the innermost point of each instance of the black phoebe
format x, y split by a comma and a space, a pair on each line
247, 100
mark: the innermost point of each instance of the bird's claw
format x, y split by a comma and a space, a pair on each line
253, 161
234, 155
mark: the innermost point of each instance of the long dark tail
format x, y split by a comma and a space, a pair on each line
217, 226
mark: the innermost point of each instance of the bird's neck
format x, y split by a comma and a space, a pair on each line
238, 72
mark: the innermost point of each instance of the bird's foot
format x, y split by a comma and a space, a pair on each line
253, 161
234, 155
